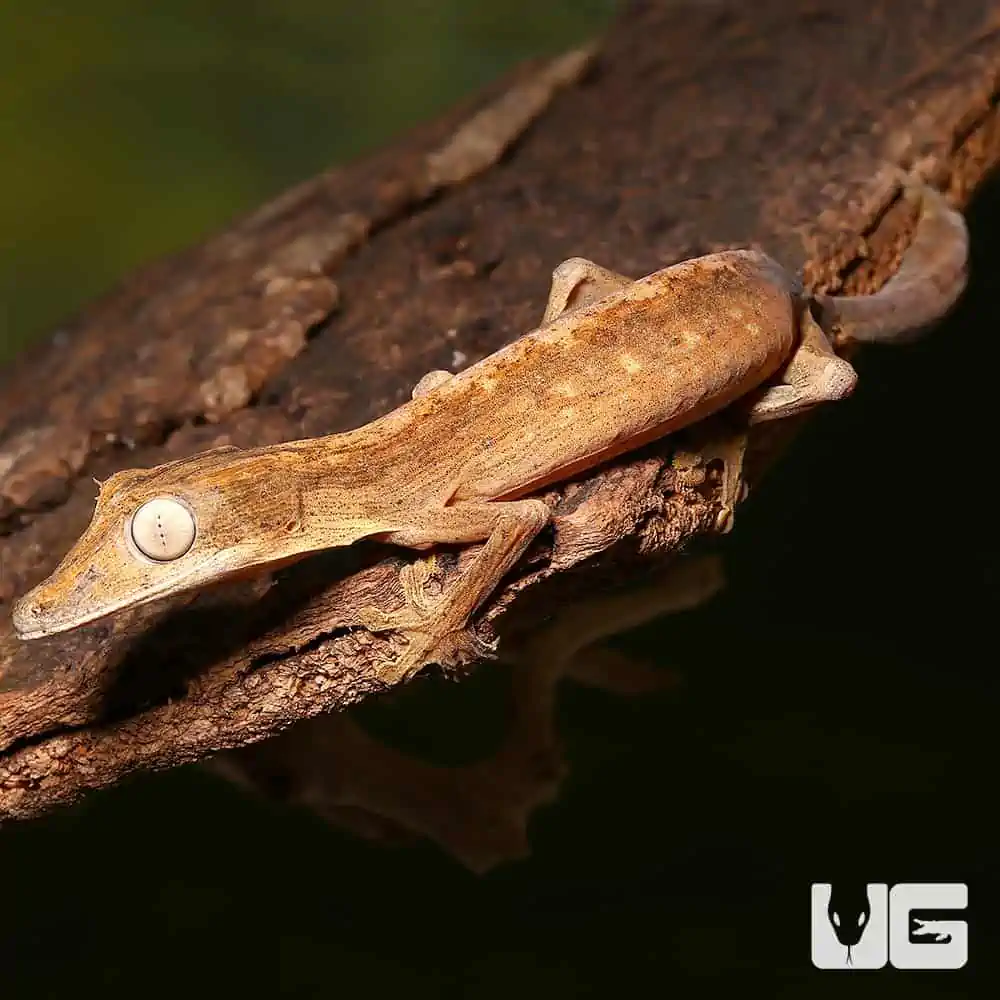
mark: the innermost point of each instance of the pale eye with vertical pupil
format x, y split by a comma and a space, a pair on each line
163, 529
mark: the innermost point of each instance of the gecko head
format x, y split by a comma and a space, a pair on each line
165, 531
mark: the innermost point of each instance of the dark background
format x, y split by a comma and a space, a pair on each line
838, 711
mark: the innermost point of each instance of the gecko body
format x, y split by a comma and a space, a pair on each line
614, 364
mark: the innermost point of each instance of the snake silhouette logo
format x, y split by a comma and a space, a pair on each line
912, 925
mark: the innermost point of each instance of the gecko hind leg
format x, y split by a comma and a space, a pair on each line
814, 375
436, 631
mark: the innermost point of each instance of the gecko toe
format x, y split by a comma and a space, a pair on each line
837, 380
450, 650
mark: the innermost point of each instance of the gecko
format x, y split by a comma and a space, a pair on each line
614, 364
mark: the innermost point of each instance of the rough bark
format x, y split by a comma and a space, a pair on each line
689, 128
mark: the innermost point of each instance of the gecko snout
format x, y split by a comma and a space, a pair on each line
28, 616
55, 605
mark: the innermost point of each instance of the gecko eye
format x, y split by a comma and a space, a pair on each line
163, 529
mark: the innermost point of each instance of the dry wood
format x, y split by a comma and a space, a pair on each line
689, 128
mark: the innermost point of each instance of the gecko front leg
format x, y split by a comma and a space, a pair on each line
436, 631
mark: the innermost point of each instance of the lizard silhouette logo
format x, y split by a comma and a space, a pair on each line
939, 929
867, 925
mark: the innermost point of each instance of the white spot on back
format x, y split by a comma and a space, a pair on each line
163, 529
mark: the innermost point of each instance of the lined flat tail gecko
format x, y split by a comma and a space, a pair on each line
614, 364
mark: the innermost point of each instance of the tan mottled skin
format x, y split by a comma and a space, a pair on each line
591, 377
615, 363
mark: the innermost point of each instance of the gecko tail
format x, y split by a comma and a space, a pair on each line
931, 277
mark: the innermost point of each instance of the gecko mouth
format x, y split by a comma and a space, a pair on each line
25, 633
50, 609
34, 618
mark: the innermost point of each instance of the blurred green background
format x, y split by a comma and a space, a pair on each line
839, 707
130, 129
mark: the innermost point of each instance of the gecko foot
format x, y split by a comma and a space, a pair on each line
449, 649
429, 635
728, 448
414, 577
417, 609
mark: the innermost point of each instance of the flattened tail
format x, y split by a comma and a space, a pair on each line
930, 280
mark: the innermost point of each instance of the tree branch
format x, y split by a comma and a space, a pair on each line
689, 129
